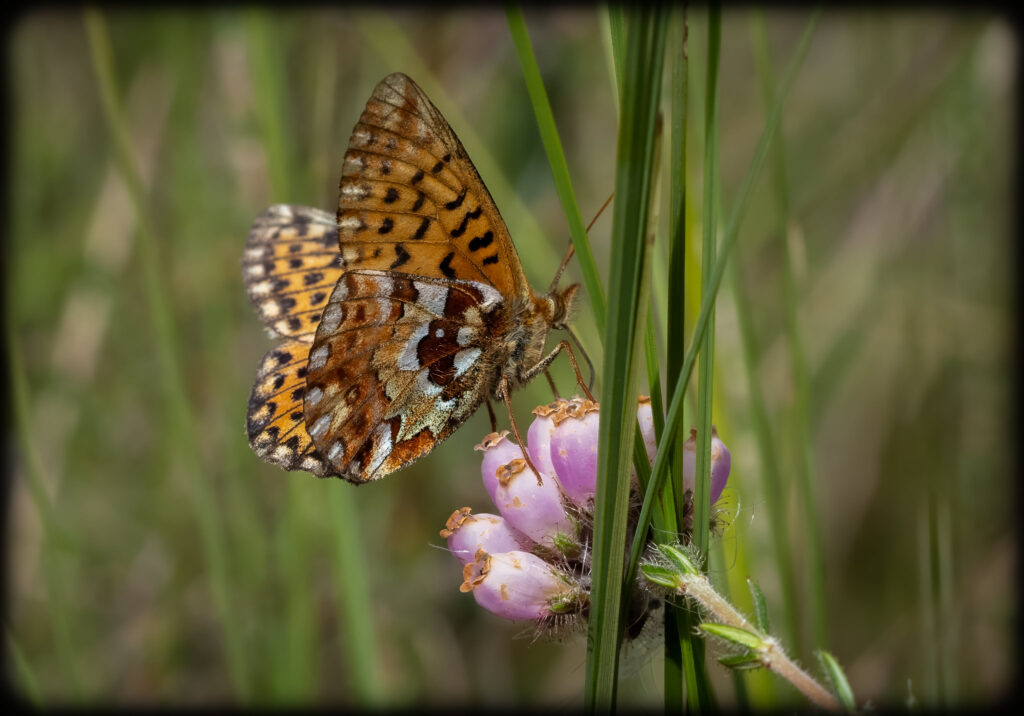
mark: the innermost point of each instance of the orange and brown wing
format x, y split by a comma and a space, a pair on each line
274, 421
399, 362
412, 202
290, 266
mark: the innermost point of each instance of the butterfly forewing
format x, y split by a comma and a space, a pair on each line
409, 188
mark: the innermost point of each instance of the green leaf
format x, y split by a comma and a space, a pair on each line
744, 638
679, 558
760, 608
746, 661
837, 680
663, 576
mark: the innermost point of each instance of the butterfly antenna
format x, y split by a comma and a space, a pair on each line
572, 249
590, 365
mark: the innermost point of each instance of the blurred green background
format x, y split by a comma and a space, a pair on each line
152, 558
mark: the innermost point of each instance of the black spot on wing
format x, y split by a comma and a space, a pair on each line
401, 256
481, 242
422, 231
446, 265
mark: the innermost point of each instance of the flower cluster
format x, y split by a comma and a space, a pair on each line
532, 559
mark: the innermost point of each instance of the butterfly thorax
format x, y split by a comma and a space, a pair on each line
528, 325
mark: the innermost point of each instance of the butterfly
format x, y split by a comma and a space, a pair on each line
398, 317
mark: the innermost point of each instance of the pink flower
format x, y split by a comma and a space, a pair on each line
538, 436
574, 449
532, 561
534, 509
721, 462
498, 450
517, 585
467, 533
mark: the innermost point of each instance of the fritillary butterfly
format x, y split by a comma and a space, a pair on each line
391, 343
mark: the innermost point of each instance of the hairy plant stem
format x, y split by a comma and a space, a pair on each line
769, 652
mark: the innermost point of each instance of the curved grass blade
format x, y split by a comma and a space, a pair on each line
659, 470
797, 352
645, 44
559, 166
179, 417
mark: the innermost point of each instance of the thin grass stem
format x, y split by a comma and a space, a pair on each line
179, 417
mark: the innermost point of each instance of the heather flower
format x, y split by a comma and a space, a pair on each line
538, 436
498, 450
518, 585
721, 462
532, 561
574, 449
534, 507
468, 533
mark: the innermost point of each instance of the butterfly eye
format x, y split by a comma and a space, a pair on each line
562, 307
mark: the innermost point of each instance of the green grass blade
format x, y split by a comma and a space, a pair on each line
179, 417
292, 662
774, 487
698, 688
556, 157
26, 675
797, 352
702, 485
645, 45
679, 622
675, 410
355, 603
617, 30
54, 539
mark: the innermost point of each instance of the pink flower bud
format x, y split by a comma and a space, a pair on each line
538, 437
535, 510
467, 533
498, 450
516, 585
720, 464
574, 449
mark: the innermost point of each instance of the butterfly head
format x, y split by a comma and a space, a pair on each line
561, 304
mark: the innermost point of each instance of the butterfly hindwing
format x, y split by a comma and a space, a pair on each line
398, 363
290, 265
274, 420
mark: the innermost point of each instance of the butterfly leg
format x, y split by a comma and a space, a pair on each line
494, 420
503, 389
551, 382
544, 362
